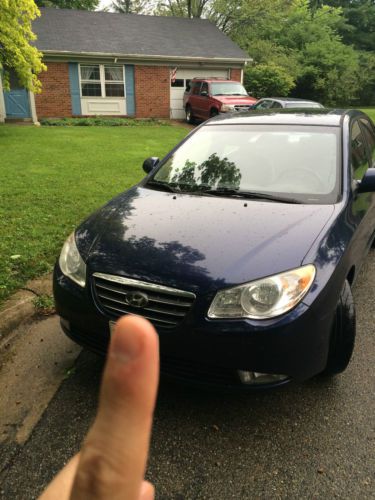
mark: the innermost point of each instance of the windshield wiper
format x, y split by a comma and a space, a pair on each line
163, 186
249, 194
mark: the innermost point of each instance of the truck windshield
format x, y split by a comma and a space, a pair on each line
227, 88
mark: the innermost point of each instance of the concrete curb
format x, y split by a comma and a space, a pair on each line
20, 306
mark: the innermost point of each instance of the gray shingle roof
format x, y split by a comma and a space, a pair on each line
79, 31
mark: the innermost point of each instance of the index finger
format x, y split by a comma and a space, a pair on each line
113, 458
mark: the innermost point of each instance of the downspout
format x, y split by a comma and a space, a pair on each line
34, 116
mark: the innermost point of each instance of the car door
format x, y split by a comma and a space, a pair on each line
362, 205
193, 99
203, 102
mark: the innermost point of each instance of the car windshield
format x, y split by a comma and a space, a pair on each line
289, 162
227, 88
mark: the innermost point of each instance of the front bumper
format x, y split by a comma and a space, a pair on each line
295, 345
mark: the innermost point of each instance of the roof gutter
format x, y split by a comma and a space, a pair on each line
143, 58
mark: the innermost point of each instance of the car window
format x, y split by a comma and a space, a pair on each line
195, 88
369, 133
204, 87
358, 155
300, 161
276, 105
263, 105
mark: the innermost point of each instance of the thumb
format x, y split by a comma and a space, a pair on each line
113, 458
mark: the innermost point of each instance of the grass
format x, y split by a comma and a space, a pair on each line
52, 178
370, 112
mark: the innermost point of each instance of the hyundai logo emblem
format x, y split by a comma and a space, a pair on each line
136, 299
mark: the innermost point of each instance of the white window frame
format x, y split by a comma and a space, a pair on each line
102, 81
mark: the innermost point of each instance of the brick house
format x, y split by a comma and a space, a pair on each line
102, 63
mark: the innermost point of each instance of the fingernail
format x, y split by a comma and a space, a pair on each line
125, 344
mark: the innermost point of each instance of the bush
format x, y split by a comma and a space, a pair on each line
265, 80
101, 121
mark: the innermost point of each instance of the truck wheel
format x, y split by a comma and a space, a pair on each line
189, 115
213, 112
342, 333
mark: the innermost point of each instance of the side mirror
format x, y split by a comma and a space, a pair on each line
367, 184
204, 93
150, 163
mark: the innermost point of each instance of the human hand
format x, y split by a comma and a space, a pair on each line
112, 461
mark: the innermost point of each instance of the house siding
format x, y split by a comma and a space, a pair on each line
152, 91
55, 100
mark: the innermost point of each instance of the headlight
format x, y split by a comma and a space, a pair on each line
264, 298
227, 107
71, 263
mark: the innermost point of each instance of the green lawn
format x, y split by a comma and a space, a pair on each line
370, 112
51, 178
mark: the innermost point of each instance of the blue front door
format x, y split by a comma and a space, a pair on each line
17, 103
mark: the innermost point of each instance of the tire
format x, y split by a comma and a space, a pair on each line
342, 333
189, 115
213, 112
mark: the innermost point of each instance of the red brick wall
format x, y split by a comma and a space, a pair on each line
54, 101
152, 91
235, 74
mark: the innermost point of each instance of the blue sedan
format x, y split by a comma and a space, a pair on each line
241, 246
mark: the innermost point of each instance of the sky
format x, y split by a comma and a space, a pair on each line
104, 3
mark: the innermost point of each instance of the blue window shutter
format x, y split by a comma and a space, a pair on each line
130, 91
74, 89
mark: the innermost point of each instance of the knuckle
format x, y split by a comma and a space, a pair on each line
96, 475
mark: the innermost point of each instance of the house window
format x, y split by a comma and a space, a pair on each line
100, 80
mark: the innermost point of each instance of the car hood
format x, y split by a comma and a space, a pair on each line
235, 99
198, 242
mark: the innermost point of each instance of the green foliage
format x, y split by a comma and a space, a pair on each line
15, 36
268, 79
44, 304
69, 4
102, 121
366, 78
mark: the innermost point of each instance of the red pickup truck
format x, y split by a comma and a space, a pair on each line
208, 97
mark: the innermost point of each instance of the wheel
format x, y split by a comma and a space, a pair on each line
342, 334
189, 115
213, 112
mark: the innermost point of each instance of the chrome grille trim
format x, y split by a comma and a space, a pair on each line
166, 306
144, 285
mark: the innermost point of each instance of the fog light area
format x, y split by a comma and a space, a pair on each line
256, 378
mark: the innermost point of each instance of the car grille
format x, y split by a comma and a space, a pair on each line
165, 308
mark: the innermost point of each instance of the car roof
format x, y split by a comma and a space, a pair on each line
287, 99
311, 116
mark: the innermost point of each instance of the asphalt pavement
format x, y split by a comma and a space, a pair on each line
314, 440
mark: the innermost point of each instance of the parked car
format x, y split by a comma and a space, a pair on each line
207, 97
285, 102
241, 247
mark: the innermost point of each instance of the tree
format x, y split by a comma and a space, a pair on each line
131, 6
15, 36
268, 79
69, 4
184, 8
